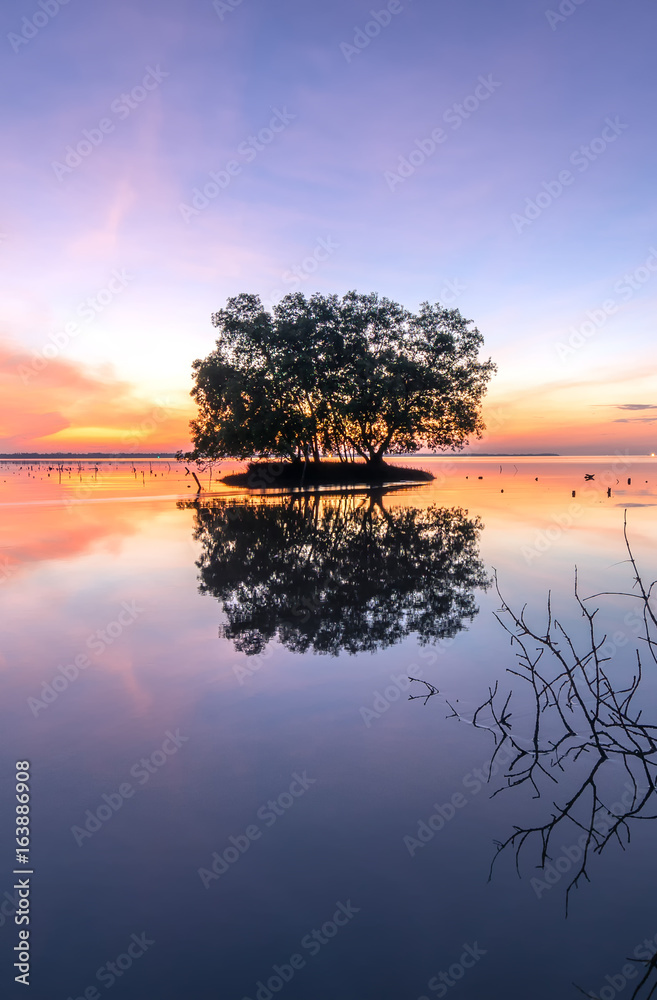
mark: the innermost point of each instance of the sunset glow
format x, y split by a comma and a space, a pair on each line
479, 155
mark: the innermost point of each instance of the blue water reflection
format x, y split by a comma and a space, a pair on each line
300, 777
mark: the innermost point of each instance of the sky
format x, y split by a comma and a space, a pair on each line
159, 157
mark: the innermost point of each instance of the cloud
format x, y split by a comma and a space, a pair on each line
627, 406
635, 420
68, 406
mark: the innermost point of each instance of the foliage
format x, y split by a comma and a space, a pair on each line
353, 377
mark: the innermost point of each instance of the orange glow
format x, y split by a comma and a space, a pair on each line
66, 406
62, 405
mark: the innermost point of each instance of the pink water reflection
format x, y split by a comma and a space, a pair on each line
75, 552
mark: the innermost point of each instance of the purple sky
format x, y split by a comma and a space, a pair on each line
331, 181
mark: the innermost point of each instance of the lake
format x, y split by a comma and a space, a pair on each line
236, 789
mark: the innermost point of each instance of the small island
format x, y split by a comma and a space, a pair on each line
270, 475
319, 391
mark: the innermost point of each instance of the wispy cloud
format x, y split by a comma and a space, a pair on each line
636, 406
635, 420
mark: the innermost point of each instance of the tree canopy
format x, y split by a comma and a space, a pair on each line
357, 376
337, 573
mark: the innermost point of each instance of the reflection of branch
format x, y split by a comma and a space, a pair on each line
651, 966
643, 595
579, 712
431, 690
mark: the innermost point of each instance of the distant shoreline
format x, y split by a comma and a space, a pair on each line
42, 456
493, 454
46, 456
172, 454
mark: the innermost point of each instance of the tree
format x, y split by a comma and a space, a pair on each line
357, 376
339, 573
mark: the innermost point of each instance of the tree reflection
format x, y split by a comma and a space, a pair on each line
333, 573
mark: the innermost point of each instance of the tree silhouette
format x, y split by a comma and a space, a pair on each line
353, 377
337, 573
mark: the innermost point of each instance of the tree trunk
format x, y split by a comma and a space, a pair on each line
375, 461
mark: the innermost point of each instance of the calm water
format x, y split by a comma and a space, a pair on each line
226, 767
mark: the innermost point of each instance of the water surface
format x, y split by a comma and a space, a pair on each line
247, 676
